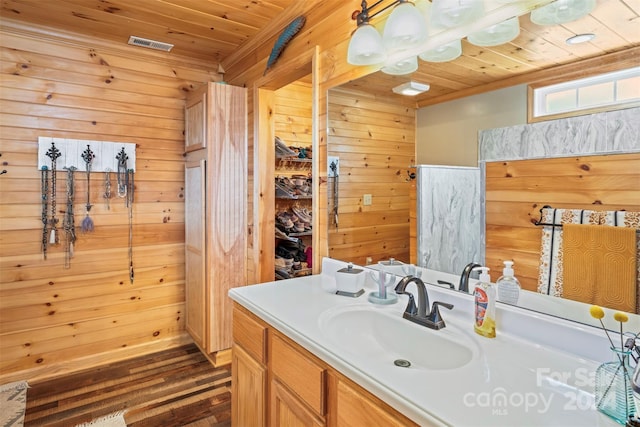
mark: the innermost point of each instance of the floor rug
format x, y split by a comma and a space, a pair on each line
13, 402
112, 420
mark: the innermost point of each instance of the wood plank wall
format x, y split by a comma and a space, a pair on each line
375, 142
55, 320
328, 27
517, 190
293, 113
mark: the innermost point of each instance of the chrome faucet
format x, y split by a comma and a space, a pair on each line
464, 277
418, 314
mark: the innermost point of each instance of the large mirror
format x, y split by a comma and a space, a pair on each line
439, 128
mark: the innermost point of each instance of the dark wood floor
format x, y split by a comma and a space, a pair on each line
177, 387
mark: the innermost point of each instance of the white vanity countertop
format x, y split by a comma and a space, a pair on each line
512, 380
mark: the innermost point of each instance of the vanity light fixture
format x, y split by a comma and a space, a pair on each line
562, 11
580, 38
446, 52
408, 27
411, 88
497, 34
402, 67
405, 28
365, 46
455, 13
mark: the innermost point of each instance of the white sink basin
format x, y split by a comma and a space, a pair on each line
384, 336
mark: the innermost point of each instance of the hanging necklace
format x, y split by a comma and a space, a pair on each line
44, 186
122, 173
68, 223
125, 190
130, 205
53, 153
107, 187
88, 156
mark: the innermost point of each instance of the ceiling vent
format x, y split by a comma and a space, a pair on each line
151, 44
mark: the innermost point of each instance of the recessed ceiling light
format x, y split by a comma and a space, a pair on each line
411, 88
580, 38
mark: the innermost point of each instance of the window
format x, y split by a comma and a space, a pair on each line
610, 91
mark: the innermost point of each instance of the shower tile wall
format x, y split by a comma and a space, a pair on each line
448, 199
601, 133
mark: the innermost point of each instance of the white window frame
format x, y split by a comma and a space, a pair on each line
537, 96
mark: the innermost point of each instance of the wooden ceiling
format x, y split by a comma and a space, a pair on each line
211, 30
203, 29
539, 52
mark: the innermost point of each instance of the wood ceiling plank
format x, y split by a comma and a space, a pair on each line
605, 36
174, 18
247, 12
62, 14
188, 29
554, 37
621, 17
542, 52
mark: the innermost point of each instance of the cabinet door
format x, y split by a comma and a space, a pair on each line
195, 121
227, 206
248, 390
195, 252
354, 407
288, 411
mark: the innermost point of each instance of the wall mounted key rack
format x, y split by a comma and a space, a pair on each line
71, 150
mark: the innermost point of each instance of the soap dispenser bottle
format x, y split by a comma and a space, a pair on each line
485, 305
508, 285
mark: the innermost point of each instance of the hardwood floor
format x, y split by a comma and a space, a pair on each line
177, 387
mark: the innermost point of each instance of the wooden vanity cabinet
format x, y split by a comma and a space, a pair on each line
276, 382
215, 212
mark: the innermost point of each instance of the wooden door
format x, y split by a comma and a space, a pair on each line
227, 206
195, 251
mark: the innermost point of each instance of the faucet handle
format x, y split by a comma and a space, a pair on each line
434, 315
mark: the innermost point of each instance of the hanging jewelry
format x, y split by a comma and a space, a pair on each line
125, 190
122, 173
68, 223
88, 156
44, 186
107, 187
129, 199
53, 153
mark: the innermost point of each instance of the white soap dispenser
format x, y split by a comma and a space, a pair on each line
508, 285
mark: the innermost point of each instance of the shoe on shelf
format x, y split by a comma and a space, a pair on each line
301, 214
281, 274
284, 220
282, 150
283, 236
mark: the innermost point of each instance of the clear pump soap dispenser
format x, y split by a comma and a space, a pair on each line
508, 285
485, 305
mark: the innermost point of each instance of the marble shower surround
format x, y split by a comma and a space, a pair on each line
449, 217
440, 243
601, 133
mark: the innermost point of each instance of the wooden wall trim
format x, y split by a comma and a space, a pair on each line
64, 367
